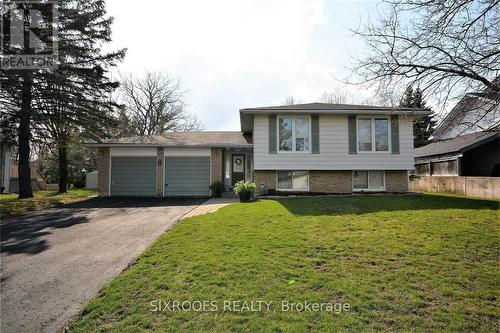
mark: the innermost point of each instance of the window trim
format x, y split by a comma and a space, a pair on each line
293, 189
369, 189
293, 151
372, 122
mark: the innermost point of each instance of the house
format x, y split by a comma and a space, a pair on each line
4, 167
474, 154
317, 147
466, 141
475, 112
37, 181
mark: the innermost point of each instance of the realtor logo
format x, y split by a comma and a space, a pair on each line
28, 34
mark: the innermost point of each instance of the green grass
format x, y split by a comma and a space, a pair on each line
402, 263
10, 205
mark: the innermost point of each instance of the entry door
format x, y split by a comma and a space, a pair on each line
238, 168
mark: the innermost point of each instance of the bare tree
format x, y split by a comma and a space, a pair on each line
290, 100
153, 104
446, 47
334, 97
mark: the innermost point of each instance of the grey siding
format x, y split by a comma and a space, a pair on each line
187, 176
133, 176
334, 154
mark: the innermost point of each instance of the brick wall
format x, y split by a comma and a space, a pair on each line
330, 181
216, 167
396, 181
103, 171
267, 178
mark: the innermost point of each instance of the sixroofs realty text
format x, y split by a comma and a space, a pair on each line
247, 306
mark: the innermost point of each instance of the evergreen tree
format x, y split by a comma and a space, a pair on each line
74, 98
423, 127
407, 99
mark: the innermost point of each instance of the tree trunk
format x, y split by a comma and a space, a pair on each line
63, 166
24, 134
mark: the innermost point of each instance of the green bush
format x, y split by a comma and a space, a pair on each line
79, 182
243, 186
217, 188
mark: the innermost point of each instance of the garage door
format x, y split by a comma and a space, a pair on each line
187, 176
133, 176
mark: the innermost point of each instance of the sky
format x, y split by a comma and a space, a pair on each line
232, 54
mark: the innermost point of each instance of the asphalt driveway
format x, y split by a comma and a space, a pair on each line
54, 261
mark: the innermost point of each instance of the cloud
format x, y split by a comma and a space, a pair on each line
234, 54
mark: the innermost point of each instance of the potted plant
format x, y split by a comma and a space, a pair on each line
244, 190
217, 188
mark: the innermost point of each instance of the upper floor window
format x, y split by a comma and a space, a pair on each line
373, 134
293, 133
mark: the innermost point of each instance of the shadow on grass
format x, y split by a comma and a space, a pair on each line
363, 204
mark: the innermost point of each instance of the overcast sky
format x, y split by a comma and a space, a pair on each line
241, 53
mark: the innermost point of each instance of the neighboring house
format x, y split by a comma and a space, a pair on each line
475, 154
4, 168
37, 181
317, 147
475, 112
466, 141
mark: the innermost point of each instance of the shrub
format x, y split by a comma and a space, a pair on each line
79, 182
217, 188
243, 186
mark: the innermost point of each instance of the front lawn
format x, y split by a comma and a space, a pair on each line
401, 263
9, 204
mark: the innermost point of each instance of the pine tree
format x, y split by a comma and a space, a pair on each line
74, 98
407, 99
423, 127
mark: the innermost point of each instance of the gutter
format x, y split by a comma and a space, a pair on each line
154, 145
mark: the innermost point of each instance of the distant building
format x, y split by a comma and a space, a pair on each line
4, 168
475, 154
37, 181
466, 142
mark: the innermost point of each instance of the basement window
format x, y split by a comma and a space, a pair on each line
293, 180
368, 180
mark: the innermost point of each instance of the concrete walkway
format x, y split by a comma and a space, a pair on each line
210, 206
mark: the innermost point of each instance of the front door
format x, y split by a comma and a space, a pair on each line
238, 168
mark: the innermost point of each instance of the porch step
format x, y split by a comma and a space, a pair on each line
229, 194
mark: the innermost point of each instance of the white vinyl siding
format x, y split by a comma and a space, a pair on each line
334, 152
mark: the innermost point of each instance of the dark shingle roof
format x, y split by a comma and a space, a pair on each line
195, 139
458, 144
329, 107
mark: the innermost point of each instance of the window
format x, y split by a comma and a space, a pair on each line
365, 134
373, 130
285, 134
381, 135
293, 180
293, 134
368, 180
